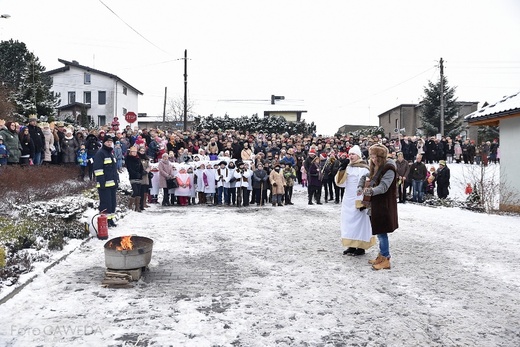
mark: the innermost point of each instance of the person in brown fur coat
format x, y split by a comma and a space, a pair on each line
383, 202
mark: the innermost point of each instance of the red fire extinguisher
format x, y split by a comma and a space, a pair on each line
102, 226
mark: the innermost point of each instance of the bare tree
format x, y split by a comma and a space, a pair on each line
175, 110
489, 191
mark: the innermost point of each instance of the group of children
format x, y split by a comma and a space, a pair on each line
223, 183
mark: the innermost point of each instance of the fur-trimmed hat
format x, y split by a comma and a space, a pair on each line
379, 150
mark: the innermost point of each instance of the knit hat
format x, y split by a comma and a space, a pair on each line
355, 150
312, 151
108, 137
323, 155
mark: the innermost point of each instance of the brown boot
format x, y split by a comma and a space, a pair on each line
378, 259
131, 203
145, 201
384, 264
137, 202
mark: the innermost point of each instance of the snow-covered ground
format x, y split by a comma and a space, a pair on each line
276, 276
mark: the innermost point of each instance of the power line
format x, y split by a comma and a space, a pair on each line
128, 25
392, 87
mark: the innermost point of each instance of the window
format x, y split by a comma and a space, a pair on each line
102, 98
86, 78
125, 90
87, 97
72, 97
102, 120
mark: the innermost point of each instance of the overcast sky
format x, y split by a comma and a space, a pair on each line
345, 62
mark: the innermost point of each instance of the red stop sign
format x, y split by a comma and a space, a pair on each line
130, 117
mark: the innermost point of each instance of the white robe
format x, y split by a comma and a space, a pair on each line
356, 230
184, 178
211, 187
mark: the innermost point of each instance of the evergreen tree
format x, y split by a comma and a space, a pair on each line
488, 133
22, 74
431, 110
254, 124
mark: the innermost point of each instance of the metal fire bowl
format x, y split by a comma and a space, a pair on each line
135, 258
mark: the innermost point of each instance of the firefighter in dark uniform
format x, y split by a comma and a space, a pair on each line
107, 178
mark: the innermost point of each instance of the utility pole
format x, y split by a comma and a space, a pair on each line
164, 106
185, 90
442, 96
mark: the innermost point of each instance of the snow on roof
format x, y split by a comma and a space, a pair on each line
507, 105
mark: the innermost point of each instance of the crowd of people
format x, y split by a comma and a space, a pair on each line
311, 160
241, 168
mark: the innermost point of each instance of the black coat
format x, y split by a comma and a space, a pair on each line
92, 145
134, 167
27, 145
418, 171
37, 137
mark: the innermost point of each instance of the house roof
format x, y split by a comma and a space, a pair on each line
74, 105
68, 64
507, 106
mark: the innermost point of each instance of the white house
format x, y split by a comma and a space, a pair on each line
504, 113
100, 94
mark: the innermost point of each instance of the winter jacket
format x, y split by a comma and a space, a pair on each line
290, 175
260, 178
403, 168
152, 150
288, 160
165, 172
418, 171
12, 142
313, 175
49, 144
27, 146
105, 168
92, 145
443, 177
277, 182
69, 148
134, 167
37, 137
384, 201
82, 158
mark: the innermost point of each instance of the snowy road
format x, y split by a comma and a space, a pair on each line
277, 277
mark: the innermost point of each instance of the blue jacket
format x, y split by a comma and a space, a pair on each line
82, 158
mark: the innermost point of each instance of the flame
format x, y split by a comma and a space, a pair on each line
126, 243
